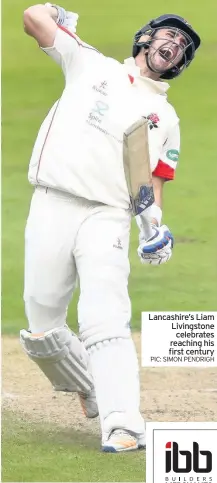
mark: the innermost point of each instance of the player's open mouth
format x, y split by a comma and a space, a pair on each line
166, 54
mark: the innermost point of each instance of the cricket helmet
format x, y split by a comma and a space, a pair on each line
181, 26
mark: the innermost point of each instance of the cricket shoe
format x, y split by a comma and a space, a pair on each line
89, 404
122, 440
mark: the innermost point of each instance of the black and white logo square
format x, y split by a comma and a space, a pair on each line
182, 453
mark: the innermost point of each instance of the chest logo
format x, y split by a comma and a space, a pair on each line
153, 120
101, 88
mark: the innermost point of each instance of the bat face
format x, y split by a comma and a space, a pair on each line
137, 166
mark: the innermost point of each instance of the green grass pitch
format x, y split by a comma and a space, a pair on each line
31, 83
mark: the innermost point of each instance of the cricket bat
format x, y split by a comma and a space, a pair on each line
137, 170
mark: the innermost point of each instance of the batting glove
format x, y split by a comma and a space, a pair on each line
158, 248
65, 18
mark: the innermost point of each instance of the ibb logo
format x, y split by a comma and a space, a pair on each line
191, 459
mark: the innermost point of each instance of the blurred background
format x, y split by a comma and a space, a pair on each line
32, 83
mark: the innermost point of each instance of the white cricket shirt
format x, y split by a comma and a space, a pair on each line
79, 145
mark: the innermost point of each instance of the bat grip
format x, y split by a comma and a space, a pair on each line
146, 226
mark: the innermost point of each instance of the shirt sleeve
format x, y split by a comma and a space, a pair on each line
66, 49
169, 155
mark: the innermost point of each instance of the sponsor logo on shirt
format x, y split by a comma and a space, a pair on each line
173, 154
96, 116
101, 88
98, 111
100, 108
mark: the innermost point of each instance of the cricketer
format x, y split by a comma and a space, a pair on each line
79, 221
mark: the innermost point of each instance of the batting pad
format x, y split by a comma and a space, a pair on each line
61, 357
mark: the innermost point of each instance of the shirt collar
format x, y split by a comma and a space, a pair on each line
156, 86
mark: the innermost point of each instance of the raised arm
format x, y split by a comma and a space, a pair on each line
40, 23
54, 29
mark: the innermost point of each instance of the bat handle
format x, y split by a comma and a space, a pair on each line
147, 229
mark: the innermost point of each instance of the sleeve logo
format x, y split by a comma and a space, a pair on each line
173, 154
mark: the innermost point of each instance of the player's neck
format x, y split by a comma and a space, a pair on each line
144, 70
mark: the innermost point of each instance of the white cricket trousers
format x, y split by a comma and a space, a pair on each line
69, 238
